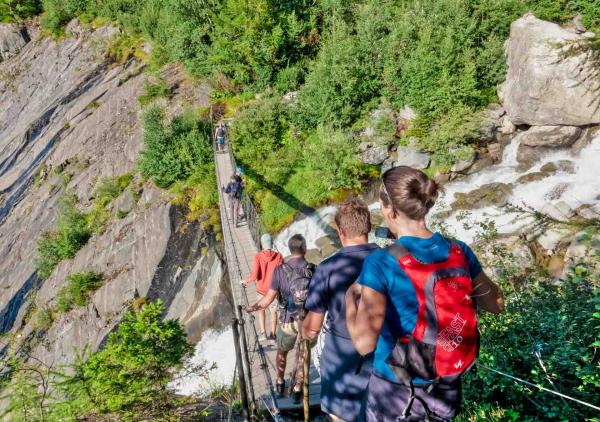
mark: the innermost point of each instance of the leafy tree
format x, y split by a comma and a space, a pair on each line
16, 10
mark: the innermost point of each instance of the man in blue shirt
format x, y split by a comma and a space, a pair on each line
344, 374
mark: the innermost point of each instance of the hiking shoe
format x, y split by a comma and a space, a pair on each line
272, 337
296, 396
280, 389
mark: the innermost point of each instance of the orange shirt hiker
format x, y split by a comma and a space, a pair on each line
263, 265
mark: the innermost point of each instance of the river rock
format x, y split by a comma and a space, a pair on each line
495, 151
506, 126
533, 177
407, 156
566, 166
13, 38
551, 136
372, 153
559, 211
546, 83
586, 138
490, 194
491, 119
482, 162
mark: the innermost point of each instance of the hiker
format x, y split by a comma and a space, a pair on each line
414, 304
290, 285
235, 189
344, 373
263, 265
219, 137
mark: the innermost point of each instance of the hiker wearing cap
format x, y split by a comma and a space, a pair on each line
290, 286
263, 265
344, 373
234, 190
415, 305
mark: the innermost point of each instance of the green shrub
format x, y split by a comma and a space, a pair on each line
44, 319
16, 10
71, 234
172, 152
152, 91
77, 289
133, 369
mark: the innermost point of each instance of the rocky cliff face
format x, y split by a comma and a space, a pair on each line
67, 119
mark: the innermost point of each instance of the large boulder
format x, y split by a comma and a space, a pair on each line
548, 80
371, 153
12, 39
486, 195
541, 140
412, 157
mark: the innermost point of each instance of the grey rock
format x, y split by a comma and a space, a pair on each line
521, 258
556, 193
486, 195
586, 138
363, 146
589, 212
462, 165
559, 211
375, 154
506, 126
566, 166
481, 163
387, 164
412, 157
545, 86
13, 38
551, 136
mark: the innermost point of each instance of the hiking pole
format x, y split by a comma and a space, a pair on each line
245, 359
306, 380
240, 367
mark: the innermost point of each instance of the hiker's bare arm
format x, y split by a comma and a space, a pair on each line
487, 294
264, 302
365, 320
312, 325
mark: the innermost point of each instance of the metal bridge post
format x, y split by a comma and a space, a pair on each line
240, 367
245, 359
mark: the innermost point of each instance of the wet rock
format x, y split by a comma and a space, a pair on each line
441, 177
586, 138
541, 85
566, 166
551, 136
13, 38
490, 194
533, 177
373, 153
495, 151
559, 211
481, 163
556, 193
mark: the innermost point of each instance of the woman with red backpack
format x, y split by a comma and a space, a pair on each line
415, 305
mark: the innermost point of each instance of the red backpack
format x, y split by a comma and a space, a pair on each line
445, 341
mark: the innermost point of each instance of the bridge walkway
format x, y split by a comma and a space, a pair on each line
240, 247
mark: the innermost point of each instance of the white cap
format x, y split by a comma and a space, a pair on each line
266, 241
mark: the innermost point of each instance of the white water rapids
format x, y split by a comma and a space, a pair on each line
582, 186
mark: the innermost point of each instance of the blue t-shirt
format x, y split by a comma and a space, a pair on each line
333, 276
383, 273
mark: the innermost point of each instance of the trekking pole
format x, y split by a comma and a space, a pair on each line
240, 367
306, 380
245, 359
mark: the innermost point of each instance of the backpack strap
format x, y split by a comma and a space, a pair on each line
397, 250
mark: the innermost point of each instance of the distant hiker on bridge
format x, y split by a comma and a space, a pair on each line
290, 285
263, 265
343, 390
219, 137
235, 189
415, 305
